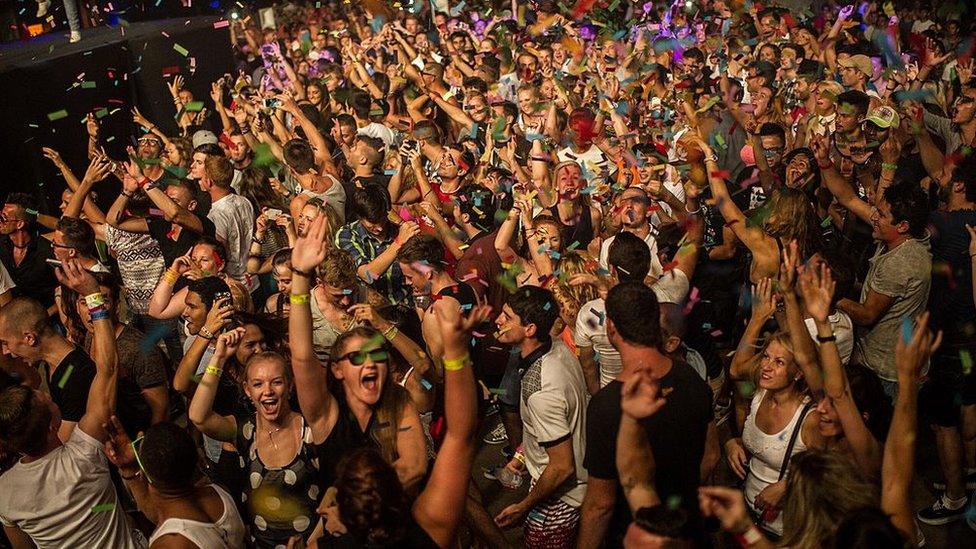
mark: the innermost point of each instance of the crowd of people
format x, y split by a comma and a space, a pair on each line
688, 274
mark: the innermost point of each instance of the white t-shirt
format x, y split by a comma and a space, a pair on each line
656, 267
334, 196
6, 283
233, 218
672, 287
591, 331
843, 331
379, 131
553, 406
66, 499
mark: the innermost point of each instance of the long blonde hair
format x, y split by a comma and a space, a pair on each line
821, 489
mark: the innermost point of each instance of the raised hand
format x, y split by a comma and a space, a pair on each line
845, 12
408, 229
72, 274
817, 289
763, 300
219, 315
640, 396
91, 124
787, 268
53, 156
138, 118
912, 355
727, 505
99, 167
118, 447
183, 263
217, 93
455, 327
227, 344
309, 250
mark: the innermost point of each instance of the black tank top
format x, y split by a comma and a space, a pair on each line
581, 232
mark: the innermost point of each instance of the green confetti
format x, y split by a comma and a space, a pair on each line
674, 502
57, 115
181, 50
194, 106
103, 508
64, 379
499, 392
101, 113
967, 362
826, 222
88, 85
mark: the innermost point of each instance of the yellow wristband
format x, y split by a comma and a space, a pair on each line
94, 300
298, 299
455, 364
213, 369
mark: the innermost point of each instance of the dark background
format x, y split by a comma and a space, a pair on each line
127, 71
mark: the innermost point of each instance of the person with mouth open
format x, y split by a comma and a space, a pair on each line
276, 444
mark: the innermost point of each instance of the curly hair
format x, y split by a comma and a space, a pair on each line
372, 503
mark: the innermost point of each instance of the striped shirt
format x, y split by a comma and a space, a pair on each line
364, 247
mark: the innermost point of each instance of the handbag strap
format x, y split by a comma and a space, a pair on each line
796, 433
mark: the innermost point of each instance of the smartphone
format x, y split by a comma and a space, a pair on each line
272, 213
219, 296
271, 103
53, 262
360, 295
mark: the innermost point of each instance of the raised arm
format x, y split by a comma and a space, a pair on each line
836, 184
184, 380
439, 508
745, 361
898, 465
162, 303
311, 382
639, 398
804, 350
102, 393
818, 290
97, 170
201, 413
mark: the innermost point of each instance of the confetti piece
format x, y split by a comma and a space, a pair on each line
57, 115
221, 24
181, 50
64, 379
906, 329
103, 508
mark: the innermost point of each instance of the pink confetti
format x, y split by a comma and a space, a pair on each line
221, 24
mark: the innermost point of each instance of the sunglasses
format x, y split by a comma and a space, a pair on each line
358, 358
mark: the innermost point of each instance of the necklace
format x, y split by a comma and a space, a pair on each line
271, 437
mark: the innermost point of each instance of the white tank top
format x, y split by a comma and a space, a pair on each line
767, 452
226, 533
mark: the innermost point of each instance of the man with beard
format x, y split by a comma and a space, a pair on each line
632, 216
23, 253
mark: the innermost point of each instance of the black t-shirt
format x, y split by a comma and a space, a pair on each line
345, 437
33, 276
72, 379
950, 299
676, 433
160, 230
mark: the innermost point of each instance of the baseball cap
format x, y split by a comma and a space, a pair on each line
860, 62
883, 117
202, 137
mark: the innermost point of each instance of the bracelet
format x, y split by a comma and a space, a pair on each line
825, 339
518, 456
145, 181
125, 194
213, 369
887, 166
692, 211
94, 300
100, 313
135, 475
455, 364
750, 537
205, 333
171, 276
391, 332
298, 299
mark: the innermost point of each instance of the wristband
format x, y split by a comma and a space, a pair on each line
518, 456
750, 537
205, 333
145, 181
391, 333
171, 276
94, 300
455, 364
825, 339
298, 299
125, 194
887, 166
98, 314
213, 369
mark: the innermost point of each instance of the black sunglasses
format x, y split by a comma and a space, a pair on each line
358, 358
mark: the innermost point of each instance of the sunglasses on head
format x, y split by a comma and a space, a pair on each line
358, 358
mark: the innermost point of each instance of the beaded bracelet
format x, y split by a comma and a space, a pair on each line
298, 299
455, 364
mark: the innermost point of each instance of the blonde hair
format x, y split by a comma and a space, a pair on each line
576, 262
793, 218
822, 488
